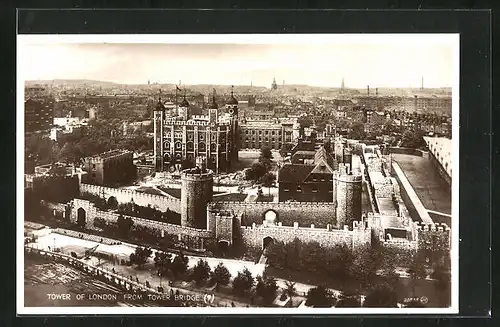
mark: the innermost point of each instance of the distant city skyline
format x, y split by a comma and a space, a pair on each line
393, 64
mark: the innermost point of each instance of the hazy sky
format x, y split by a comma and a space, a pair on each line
377, 65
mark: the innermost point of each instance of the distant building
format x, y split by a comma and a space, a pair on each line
110, 168
273, 133
38, 116
274, 86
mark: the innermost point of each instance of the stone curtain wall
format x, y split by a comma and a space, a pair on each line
224, 229
306, 213
253, 236
92, 213
160, 202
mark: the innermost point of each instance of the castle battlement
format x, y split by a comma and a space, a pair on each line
215, 205
196, 174
442, 227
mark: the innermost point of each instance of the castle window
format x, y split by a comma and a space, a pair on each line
299, 188
178, 145
273, 132
286, 190
315, 190
93, 166
260, 132
273, 139
253, 132
202, 137
266, 132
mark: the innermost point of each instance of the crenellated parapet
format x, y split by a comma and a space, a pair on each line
329, 237
317, 213
162, 202
436, 236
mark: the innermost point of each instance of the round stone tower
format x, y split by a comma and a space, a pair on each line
197, 190
349, 189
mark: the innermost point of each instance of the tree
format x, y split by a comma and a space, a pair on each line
163, 262
221, 275
265, 153
124, 225
266, 288
243, 282
413, 138
285, 149
364, 267
140, 256
268, 180
257, 170
339, 260
319, 297
357, 131
381, 296
179, 265
290, 289
417, 270
442, 276
201, 272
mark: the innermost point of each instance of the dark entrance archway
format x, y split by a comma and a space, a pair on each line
266, 242
223, 246
112, 202
81, 217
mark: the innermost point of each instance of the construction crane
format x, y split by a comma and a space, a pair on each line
90, 251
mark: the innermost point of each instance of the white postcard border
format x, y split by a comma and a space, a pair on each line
427, 39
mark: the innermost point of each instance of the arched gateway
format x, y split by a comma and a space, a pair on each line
81, 217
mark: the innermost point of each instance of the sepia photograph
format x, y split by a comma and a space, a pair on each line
237, 174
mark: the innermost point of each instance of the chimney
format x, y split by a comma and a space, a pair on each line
415, 106
376, 91
368, 89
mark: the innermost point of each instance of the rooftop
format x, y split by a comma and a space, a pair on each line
290, 173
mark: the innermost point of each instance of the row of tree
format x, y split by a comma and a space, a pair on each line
361, 264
